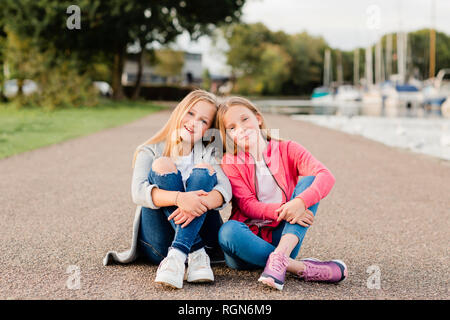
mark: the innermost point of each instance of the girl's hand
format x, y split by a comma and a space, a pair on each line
181, 216
294, 211
290, 207
193, 202
305, 219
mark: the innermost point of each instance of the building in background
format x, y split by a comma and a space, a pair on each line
188, 73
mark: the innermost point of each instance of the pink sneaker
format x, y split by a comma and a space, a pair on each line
275, 271
326, 271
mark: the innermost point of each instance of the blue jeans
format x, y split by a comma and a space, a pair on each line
244, 250
157, 234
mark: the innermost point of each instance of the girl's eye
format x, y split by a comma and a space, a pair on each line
205, 122
245, 119
190, 113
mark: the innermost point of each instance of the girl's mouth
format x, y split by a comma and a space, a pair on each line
247, 134
191, 131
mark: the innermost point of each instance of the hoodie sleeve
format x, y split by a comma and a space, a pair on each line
245, 198
307, 165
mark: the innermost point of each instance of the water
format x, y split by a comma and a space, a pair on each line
413, 128
430, 136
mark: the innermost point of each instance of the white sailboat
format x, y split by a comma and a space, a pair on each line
437, 93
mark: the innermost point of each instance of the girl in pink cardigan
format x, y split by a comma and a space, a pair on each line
271, 210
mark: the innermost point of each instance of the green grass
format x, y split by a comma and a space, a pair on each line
26, 129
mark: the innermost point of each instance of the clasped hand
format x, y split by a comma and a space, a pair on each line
191, 205
295, 211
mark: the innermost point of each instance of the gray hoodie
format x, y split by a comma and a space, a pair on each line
141, 189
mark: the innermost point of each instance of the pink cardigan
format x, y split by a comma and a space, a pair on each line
286, 160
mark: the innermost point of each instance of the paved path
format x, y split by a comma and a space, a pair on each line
68, 204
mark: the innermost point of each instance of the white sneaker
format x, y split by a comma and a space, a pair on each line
199, 267
171, 272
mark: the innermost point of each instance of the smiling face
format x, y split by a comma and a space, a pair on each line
242, 126
196, 121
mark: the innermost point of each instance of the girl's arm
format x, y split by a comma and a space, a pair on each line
141, 189
246, 199
215, 200
164, 198
307, 165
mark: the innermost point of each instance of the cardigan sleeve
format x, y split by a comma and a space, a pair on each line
307, 165
246, 199
223, 186
141, 189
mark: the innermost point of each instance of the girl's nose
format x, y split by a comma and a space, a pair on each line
239, 130
198, 123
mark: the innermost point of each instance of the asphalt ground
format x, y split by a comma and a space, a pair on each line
62, 207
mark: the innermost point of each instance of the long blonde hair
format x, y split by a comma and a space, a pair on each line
224, 106
173, 146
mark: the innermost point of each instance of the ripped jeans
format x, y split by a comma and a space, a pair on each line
157, 234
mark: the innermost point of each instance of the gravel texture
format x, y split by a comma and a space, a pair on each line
69, 203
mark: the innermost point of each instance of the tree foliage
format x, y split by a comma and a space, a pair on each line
168, 62
109, 26
267, 62
2, 54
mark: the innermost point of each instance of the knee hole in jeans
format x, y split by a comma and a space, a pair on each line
164, 165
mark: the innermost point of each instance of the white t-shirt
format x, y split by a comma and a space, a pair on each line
267, 189
185, 164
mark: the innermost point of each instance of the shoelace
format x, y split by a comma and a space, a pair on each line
313, 272
168, 266
202, 263
277, 263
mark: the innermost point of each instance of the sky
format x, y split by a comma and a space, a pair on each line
344, 24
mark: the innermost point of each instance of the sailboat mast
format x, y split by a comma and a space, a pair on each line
327, 68
368, 67
378, 63
432, 70
388, 55
340, 70
356, 67
401, 55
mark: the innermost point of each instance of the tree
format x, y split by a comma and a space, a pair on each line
2, 56
245, 41
307, 54
276, 70
168, 63
21, 58
108, 27
266, 62
206, 79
